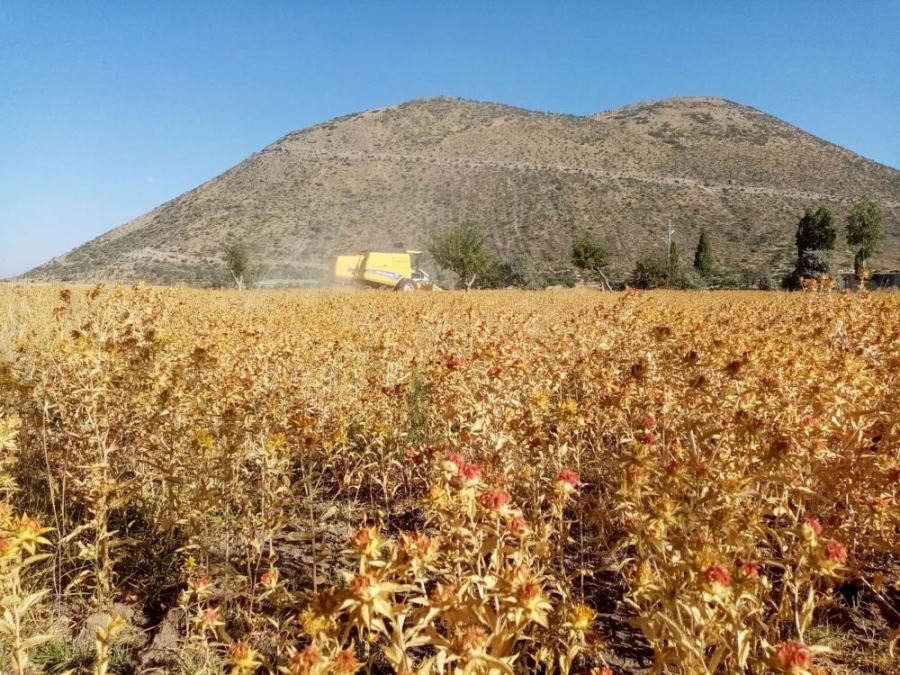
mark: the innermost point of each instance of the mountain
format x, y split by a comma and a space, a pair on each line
534, 181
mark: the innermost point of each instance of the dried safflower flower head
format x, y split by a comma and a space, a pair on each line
472, 638
436, 496
269, 578
367, 541
581, 618
313, 623
644, 576
244, 659
360, 587
444, 596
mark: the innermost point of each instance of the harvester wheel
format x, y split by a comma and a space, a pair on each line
405, 285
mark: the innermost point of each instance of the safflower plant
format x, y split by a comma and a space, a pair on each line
447, 483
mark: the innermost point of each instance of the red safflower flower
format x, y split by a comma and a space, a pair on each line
302, 662
517, 526
199, 584
495, 499
529, 594
649, 438
793, 656
454, 362
569, 477
717, 574
674, 466
457, 460
636, 474
835, 552
211, 617
471, 472
750, 571
648, 422
346, 662
814, 525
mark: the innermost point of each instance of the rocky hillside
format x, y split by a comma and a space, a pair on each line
533, 180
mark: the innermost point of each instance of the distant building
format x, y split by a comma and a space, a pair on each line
879, 281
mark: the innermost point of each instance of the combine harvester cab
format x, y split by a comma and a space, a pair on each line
399, 271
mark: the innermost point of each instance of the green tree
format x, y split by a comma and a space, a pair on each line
864, 230
703, 257
237, 258
816, 236
816, 231
463, 250
590, 256
673, 261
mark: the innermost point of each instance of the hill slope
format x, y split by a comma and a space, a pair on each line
533, 180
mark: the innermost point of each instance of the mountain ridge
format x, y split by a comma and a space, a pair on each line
533, 180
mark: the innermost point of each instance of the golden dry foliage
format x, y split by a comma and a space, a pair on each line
454, 483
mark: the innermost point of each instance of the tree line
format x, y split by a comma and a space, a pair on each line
463, 250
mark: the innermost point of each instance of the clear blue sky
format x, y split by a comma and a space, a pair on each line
107, 109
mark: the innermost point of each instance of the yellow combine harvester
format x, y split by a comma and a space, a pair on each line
399, 270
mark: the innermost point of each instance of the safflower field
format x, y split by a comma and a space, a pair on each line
490, 482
